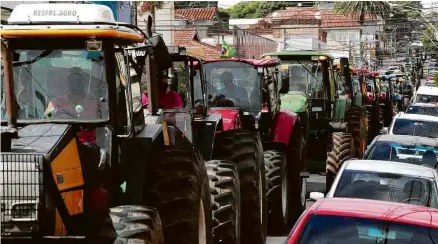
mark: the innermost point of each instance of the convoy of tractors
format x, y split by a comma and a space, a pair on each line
229, 166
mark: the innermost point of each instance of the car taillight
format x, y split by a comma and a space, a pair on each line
382, 96
370, 96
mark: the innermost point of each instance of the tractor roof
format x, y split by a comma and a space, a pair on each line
266, 62
298, 53
68, 21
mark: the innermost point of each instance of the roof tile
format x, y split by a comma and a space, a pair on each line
196, 13
189, 38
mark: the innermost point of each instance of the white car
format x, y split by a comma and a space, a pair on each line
423, 108
385, 181
414, 125
430, 83
426, 94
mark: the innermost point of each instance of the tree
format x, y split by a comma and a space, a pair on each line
256, 9
404, 11
195, 4
363, 8
429, 39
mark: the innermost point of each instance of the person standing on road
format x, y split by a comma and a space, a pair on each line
167, 99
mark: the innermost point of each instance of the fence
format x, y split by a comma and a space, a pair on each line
249, 45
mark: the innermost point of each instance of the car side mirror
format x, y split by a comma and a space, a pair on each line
284, 85
315, 196
384, 130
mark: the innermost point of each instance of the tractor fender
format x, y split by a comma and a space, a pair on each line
283, 126
205, 132
230, 117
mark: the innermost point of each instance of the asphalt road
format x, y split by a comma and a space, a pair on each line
315, 183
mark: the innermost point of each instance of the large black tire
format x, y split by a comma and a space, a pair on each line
343, 149
225, 201
374, 123
357, 127
297, 163
244, 148
136, 224
277, 183
177, 185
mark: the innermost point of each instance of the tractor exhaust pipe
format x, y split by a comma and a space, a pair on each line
10, 132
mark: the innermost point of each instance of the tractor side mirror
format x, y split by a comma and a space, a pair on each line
284, 85
345, 66
315, 196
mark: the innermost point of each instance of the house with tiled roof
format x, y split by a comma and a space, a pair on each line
189, 38
201, 18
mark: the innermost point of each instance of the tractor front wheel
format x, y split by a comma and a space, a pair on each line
244, 148
343, 149
136, 224
178, 187
225, 201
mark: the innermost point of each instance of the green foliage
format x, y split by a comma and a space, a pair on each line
255, 9
182, 82
436, 78
404, 11
429, 40
362, 8
195, 4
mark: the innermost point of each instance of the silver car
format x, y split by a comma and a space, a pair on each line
385, 181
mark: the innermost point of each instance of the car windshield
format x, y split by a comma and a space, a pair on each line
404, 153
415, 128
59, 85
433, 111
386, 187
422, 98
330, 229
303, 74
237, 83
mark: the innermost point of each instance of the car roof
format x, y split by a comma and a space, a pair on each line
407, 139
427, 90
417, 117
381, 166
424, 105
379, 210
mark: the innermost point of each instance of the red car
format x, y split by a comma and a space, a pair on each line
357, 221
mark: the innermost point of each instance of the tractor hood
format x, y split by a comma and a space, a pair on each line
294, 101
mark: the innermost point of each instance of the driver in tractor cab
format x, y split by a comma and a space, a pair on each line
230, 90
167, 99
77, 103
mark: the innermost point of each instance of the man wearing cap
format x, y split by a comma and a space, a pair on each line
230, 90
76, 104
167, 99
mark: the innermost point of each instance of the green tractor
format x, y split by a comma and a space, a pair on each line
329, 104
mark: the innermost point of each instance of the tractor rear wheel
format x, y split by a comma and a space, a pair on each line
225, 201
244, 148
277, 182
343, 148
178, 187
357, 127
136, 224
296, 159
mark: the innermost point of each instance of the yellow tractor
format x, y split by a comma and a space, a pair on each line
78, 160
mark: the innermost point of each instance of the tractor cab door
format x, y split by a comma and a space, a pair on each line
320, 98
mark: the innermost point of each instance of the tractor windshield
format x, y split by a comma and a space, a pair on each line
303, 75
59, 85
231, 84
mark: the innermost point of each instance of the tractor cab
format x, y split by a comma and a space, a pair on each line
249, 85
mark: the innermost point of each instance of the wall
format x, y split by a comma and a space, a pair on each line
164, 21
202, 27
344, 35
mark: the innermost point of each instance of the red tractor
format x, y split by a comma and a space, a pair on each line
266, 143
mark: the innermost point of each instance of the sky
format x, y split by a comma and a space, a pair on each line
229, 3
